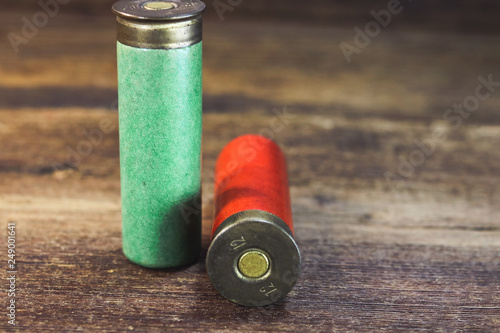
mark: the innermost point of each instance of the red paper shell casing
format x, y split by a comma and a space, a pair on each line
253, 258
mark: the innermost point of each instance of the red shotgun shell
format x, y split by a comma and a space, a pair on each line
253, 259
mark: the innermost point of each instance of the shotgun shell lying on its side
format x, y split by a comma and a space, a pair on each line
253, 259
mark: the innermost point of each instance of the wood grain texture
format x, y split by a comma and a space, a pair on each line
421, 255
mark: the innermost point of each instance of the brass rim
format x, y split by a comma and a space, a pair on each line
168, 24
246, 232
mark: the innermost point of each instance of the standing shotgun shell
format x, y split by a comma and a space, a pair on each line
159, 89
253, 259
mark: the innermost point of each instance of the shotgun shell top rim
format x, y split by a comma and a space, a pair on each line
253, 259
159, 24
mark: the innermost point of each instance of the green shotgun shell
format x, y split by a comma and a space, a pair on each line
159, 52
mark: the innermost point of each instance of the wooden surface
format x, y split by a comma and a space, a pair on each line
424, 255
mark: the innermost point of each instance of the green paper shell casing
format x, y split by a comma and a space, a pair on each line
159, 53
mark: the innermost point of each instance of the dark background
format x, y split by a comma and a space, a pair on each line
466, 16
